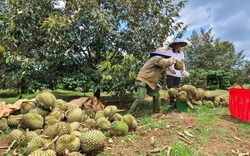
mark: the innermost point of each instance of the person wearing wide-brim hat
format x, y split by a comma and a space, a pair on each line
174, 75
148, 77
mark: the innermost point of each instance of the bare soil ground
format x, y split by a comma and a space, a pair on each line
160, 138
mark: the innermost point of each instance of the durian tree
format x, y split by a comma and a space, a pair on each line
44, 43
209, 53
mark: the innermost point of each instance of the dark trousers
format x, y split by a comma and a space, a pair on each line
173, 82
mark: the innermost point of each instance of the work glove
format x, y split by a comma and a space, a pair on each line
185, 73
158, 86
174, 60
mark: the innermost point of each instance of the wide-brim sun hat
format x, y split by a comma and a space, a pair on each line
160, 51
182, 42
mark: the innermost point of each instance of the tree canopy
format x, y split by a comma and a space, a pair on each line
44, 44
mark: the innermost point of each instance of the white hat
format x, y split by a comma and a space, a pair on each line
179, 41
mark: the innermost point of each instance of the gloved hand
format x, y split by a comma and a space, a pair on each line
158, 87
174, 60
185, 73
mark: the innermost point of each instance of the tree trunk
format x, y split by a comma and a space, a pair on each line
97, 93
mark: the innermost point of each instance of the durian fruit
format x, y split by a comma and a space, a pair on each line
179, 65
40, 152
28, 136
172, 92
191, 92
17, 135
74, 114
93, 140
74, 126
3, 124
110, 110
119, 128
75, 154
38, 142
182, 96
59, 103
197, 102
116, 117
130, 121
208, 103
99, 114
45, 100
26, 107
39, 111
90, 122
199, 95
56, 114
57, 129
14, 120
208, 96
69, 105
103, 123
217, 101
32, 121
69, 142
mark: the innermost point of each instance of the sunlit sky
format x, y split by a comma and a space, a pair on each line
229, 20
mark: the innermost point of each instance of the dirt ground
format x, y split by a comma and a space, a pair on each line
159, 139
164, 137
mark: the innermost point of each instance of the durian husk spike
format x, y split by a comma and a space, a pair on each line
66, 151
46, 146
120, 110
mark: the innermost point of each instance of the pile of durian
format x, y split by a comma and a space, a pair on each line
54, 127
196, 96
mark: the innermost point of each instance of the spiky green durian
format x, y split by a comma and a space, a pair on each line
32, 121
179, 65
39, 111
56, 114
69, 105
199, 94
75, 154
103, 123
28, 136
99, 114
116, 117
92, 140
196, 102
90, 122
110, 110
67, 141
17, 135
45, 100
38, 142
74, 126
14, 120
74, 114
172, 92
182, 96
57, 129
119, 128
3, 124
191, 92
208, 103
26, 107
59, 103
208, 96
40, 152
130, 120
